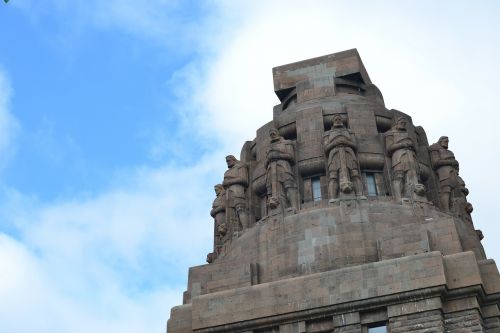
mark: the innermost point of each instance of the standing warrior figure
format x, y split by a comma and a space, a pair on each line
459, 204
280, 179
235, 182
446, 166
342, 165
401, 148
218, 212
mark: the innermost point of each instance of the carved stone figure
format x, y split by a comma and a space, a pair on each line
342, 164
459, 204
280, 179
446, 167
218, 212
418, 199
210, 257
401, 149
235, 182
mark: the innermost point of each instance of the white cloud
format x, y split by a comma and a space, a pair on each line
439, 69
110, 262
80, 261
174, 24
30, 300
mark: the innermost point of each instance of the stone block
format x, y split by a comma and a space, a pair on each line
414, 307
345, 319
460, 304
180, 319
317, 290
463, 320
462, 270
489, 276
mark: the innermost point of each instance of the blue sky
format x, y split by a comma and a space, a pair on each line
115, 117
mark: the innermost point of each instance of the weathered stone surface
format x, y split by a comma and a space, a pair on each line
319, 290
464, 321
424, 322
339, 216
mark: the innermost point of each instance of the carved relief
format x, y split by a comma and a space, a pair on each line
446, 167
235, 182
342, 163
280, 180
401, 148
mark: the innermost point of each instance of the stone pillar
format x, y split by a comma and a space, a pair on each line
491, 322
462, 314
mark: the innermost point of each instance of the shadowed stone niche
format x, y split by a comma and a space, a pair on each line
340, 217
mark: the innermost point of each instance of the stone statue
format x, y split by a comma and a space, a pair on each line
235, 182
401, 148
446, 167
418, 199
280, 179
459, 204
210, 257
342, 164
218, 212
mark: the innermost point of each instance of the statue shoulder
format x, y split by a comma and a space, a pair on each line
435, 147
390, 133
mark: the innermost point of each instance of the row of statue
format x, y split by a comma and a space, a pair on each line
230, 211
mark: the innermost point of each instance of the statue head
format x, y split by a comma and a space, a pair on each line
231, 161
419, 189
401, 123
274, 134
218, 189
273, 202
469, 208
443, 142
346, 187
337, 121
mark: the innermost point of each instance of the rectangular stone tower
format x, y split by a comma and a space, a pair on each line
340, 217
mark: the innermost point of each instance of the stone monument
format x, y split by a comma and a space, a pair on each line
340, 217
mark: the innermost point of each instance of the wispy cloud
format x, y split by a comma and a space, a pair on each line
32, 300
111, 261
176, 25
436, 70
106, 260
9, 126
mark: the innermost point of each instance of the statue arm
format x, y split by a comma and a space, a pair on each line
438, 162
389, 144
445, 162
280, 156
228, 182
242, 178
402, 145
216, 210
392, 147
289, 153
326, 143
329, 146
351, 143
232, 181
